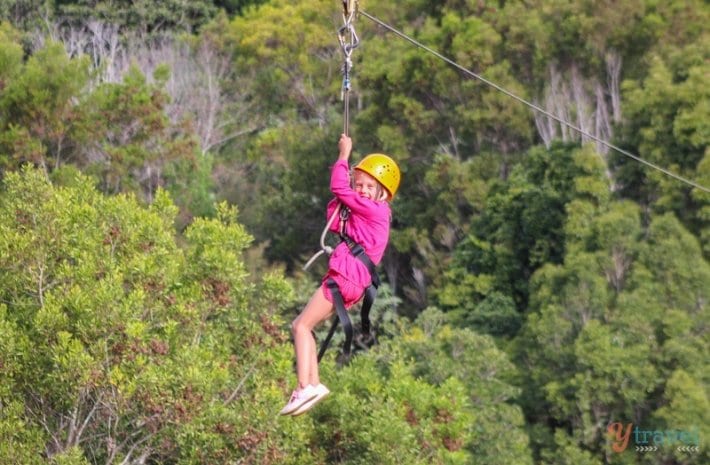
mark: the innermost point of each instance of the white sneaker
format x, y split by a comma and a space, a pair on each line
298, 398
321, 393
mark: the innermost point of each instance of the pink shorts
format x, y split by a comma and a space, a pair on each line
350, 291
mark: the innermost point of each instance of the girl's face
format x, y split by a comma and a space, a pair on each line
367, 186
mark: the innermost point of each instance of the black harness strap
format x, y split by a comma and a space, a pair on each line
367, 301
343, 318
371, 291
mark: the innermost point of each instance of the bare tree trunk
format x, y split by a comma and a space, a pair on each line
194, 86
544, 128
561, 103
454, 139
602, 126
585, 103
419, 294
581, 105
613, 68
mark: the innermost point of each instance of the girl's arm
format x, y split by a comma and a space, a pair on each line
340, 183
340, 187
345, 147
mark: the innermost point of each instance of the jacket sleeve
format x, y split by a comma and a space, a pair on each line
330, 209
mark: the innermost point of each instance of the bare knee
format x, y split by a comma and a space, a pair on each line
317, 310
299, 327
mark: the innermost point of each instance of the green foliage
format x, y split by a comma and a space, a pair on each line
667, 124
288, 46
288, 52
566, 452
172, 353
289, 202
20, 442
119, 341
38, 106
237, 6
132, 138
602, 337
520, 229
687, 408
438, 396
142, 16
456, 192
117, 132
10, 53
589, 269
25, 14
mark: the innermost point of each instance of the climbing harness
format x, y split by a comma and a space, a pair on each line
365, 339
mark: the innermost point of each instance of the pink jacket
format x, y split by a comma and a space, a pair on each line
368, 225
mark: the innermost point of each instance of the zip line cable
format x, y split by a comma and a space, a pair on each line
532, 105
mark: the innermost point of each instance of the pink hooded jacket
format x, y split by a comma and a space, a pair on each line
368, 225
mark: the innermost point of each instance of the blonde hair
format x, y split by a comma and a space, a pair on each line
382, 194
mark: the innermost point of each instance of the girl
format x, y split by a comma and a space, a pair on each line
375, 181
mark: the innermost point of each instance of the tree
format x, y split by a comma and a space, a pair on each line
611, 324
26, 14
121, 345
38, 104
433, 394
54, 115
667, 115
520, 229
143, 17
687, 409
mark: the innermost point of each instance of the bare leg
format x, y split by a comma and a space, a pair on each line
317, 310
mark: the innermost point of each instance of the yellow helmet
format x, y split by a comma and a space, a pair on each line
382, 168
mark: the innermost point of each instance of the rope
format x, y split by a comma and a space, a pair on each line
535, 107
348, 39
323, 247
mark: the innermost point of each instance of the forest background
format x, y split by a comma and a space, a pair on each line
164, 175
